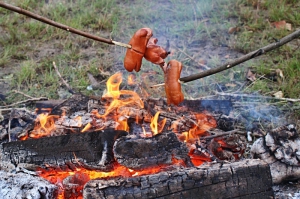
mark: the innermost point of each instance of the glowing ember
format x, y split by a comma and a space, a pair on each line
118, 111
57, 177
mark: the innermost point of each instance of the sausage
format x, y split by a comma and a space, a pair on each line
172, 86
155, 53
134, 56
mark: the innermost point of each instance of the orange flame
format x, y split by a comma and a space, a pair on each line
113, 91
44, 125
130, 80
57, 177
155, 125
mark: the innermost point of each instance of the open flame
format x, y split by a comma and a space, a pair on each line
116, 110
155, 126
44, 125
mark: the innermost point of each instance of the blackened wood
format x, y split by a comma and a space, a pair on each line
76, 102
244, 179
280, 149
139, 153
91, 150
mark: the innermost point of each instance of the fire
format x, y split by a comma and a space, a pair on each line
130, 80
57, 177
155, 125
113, 91
204, 122
44, 125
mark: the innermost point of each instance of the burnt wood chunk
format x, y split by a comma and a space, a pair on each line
244, 179
76, 102
280, 149
139, 153
92, 150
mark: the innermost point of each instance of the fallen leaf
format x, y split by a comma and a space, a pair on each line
280, 73
278, 94
282, 25
251, 76
232, 85
226, 56
202, 61
279, 24
288, 26
232, 30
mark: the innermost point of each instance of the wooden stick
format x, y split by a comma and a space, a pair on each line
61, 26
62, 79
222, 134
242, 59
24, 101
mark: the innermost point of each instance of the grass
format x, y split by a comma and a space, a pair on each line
29, 47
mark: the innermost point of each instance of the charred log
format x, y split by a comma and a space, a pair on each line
139, 153
280, 149
93, 150
76, 102
244, 179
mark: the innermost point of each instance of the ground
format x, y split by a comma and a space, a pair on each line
202, 35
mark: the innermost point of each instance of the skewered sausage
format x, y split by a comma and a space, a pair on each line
155, 53
134, 56
172, 86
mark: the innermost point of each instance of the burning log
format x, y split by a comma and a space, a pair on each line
139, 153
21, 185
93, 150
280, 149
244, 179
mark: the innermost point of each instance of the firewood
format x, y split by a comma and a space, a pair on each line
93, 150
139, 153
244, 179
280, 149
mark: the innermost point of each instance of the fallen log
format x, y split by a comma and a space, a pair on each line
244, 179
91, 150
139, 153
280, 149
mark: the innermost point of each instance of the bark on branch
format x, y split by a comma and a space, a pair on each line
242, 59
61, 26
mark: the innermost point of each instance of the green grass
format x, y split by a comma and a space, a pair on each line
29, 47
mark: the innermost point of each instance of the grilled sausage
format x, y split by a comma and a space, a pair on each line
134, 56
172, 86
155, 53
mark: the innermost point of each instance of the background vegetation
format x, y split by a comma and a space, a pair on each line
202, 35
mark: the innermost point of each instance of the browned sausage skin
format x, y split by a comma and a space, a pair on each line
134, 56
172, 86
155, 53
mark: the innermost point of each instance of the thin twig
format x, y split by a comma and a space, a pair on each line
24, 101
258, 96
222, 134
61, 26
62, 79
19, 92
242, 59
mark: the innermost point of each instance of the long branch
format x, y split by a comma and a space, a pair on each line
242, 59
61, 26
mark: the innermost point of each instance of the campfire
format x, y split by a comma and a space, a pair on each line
121, 145
121, 137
